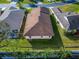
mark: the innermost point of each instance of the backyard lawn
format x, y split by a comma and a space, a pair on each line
24, 45
70, 8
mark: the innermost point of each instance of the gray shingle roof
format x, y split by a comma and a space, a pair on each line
61, 18
73, 21
7, 12
13, 17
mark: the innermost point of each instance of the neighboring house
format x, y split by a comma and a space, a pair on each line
73, 21
59, 15
38, 24
11, 21
67, 20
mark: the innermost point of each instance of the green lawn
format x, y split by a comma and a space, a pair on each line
68, 40
27, 2
44, 1
24, 45
70, 8
4, 1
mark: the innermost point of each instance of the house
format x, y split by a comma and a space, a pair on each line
11, 21
38, 24
73, 22
59, 15
67, 20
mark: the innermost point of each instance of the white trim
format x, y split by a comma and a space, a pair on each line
57, 18
66, 18
38, 37
35, 37
27, 37
59, 21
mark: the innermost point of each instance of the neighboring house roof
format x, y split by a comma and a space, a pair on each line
13, 17
7, 12
73, 21
67, 19
38, 23
61, 18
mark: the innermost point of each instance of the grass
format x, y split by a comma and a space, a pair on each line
44, 1
27, 2
70, 8
68, 41
35, 45
4, 1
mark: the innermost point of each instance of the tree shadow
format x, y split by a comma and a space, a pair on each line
54, 43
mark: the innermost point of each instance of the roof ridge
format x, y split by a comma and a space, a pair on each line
30, 26
34, 23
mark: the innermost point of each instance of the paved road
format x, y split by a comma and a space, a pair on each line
41, 5
48, 5
53, 4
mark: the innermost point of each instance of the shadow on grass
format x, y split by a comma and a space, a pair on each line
57, 38
53, 43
